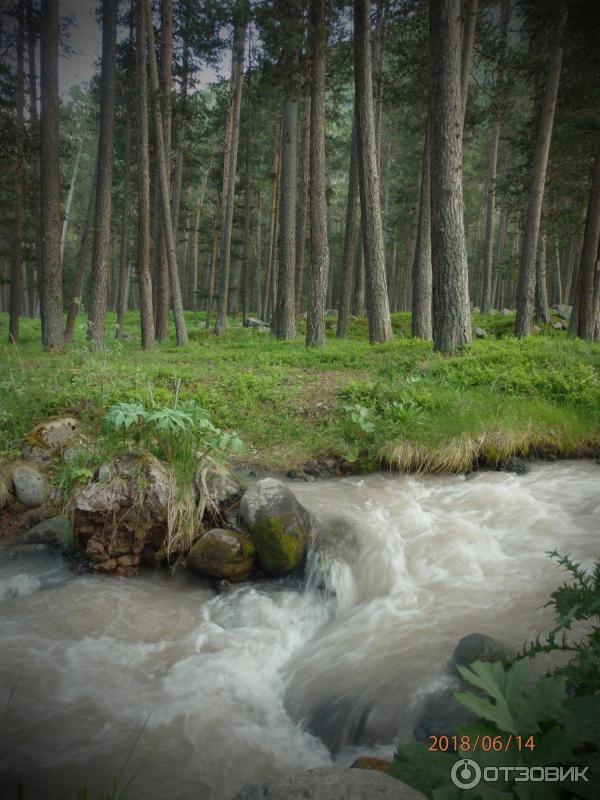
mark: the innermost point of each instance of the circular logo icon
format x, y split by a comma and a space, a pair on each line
465, 774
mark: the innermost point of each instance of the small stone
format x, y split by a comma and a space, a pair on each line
517, 465
48, 439
52, 531
479, 333
536, 329
31, 487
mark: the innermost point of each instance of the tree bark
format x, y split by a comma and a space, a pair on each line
486, 300
258, 272
272, 240
319, 246
589, 254
165, 201
541, 294
526, 285
195, 256
143, 180
80, 264
102, 239
213, 268
246, 278
303, 175
69, 203
469, 23
34, 269
421, 269
284, 317
51, 302
230, 159
451, 313
16, 280
124, 243
349, 239
380, 326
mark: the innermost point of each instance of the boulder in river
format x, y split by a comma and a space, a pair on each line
54, 531
31, 487
49, 439
222, 554
122, 514
514, 464
329, 783
440, 714
280, 527
477, 647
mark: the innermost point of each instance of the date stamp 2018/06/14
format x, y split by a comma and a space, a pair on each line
487, 744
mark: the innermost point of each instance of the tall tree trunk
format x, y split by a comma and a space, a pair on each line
212, 279
80, 264
421, 268
541, 295
349, 239
451, 313
165, 200
589, 254
319, 247
558, 283
526, 286
34, 269
468, 24
195, 256
486, 301
102, 240
303, 175
69, 203
181, 144
258, 272
124, 243
380, 326
16, 280
50, 286
378, 68
272, 241
240, 14
284, 316
143, 180
246, 278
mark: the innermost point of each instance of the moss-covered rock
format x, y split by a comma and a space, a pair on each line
222, 554
279, 526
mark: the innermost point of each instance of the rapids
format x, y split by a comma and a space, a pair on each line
277, 676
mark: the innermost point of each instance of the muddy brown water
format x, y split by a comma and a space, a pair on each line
275, 677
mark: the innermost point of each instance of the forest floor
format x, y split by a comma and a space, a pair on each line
396, 404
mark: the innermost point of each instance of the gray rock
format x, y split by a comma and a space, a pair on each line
558, 326
222, 554
52, 531
48, 439
514, 464
506, 312
440, 714
31, 487
329, 783
221, 484
563, 311
118, 517
479, 333
279, 526
477, 647
253, 322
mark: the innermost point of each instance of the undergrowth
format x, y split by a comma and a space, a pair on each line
290, 404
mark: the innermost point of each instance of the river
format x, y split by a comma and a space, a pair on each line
278, 676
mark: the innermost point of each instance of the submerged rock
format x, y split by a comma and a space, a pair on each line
54, 531
222, 554
477, 647
514, 464
117, 517
440, 714
329, 783
280, 527
31, 487
50, 438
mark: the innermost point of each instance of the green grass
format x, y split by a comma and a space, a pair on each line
502, 396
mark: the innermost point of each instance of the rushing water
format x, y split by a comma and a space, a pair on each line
229, 688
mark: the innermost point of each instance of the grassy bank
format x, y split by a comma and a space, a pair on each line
399, 402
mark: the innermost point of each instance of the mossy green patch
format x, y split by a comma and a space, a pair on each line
278, 550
